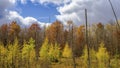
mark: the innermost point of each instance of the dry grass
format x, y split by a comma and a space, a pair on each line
67, 63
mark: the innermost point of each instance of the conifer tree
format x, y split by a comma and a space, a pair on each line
44, 50
13, 53
102, 56
67, 52
54, 52
84, 56
3, 55
28, 51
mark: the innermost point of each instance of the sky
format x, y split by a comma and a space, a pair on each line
44, 12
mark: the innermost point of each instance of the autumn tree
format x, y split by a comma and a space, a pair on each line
117, 34
102, 56
13, 54
34, 31
23, 35
3, 54
44, 50
14, 30
28, 52
4, 34
54, 53
79, 41
67, 52
100, 33
84, 56
111, 39
55, 33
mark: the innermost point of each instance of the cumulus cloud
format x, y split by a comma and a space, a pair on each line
7, 16
7, 3
4, 5
98, 11
15, 16
57, 2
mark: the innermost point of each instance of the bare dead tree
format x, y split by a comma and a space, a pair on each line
73, 55
117, 25
70, 24
87, 42
114, 13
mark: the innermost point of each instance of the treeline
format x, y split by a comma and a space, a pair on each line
60, 34
24, 47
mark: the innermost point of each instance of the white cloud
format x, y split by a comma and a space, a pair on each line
7, 16
4, 5
57, 2
14, 16
7, 3
98, 11
65, 17
29, 20
23, 1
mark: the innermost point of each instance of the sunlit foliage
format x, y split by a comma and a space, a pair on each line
67, 52
102, 56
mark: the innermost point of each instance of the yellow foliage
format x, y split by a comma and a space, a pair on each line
54, 52
85, 56
44, 49
67, 52
28, 51
13, 51
102, 56
3, 50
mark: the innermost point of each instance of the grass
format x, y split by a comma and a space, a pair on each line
67, 63
64, 63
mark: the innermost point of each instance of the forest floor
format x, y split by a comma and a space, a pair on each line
68, 63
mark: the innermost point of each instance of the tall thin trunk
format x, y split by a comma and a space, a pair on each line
87, 42
117, 26
114, 13
73, 55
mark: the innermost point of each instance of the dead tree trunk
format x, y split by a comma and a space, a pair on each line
73, 55
88, 47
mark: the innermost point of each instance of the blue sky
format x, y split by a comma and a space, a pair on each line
38, 11
26, 12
